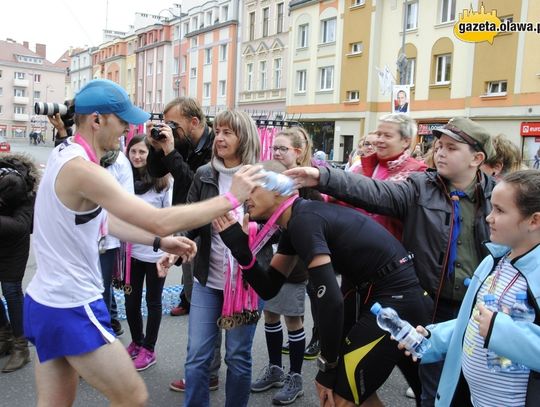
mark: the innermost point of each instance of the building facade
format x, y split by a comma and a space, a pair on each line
27, 77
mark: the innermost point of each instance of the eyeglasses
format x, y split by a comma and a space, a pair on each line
281, 149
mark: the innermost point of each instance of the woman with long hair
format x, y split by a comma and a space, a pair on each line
157, 192
236, 144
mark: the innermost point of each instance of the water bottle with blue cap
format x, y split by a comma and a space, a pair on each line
278, 182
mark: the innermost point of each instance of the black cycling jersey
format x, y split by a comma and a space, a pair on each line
357, 245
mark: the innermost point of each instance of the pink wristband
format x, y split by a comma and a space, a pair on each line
232, 199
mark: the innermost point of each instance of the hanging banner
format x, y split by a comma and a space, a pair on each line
401, 99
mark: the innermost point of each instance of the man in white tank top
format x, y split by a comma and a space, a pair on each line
65, 316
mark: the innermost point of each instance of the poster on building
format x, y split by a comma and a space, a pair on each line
530, 131
400, 99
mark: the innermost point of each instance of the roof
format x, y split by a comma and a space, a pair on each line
9, 50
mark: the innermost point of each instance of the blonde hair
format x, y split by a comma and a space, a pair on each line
299, 139
249, 145
506, 153
407, 125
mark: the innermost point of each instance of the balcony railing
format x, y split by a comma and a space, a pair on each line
20, 100
21, 117
21, 83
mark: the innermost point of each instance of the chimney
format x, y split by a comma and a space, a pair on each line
25, 44
41, 50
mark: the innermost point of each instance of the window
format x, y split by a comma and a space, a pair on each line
262, 74
20, 75
184, 64
0, 73
277, 73
249, 76
208, 55
206, 90
193, 72
194, 23
222, 88
209, 16
148, 97
356, 3
444, 66
252, 26
160, 66
328, 31
448, 10
303, 35
224, 13
496, 88
279, 25
19, 92
301, 77
326, 78
506, 20
37, 94
409, 71
149, 69
175, 66
223, 52
186, 28
159, 96
37, 78
1, 91
412, 15
266, 17
19, 109
194, 42
353, 95
357, 48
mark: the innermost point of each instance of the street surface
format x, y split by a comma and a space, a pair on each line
18, 388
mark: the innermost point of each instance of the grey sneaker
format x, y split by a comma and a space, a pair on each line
293, 388
271, 376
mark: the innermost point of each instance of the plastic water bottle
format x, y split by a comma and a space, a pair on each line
388, 319
165, 300
521, 311
278, 182
495, 363
144, 308
120, 304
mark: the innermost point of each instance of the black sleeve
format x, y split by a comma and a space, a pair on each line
329, 315
19, 223
266, 283
154, 163
179, 168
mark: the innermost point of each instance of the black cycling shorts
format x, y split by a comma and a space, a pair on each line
369, 355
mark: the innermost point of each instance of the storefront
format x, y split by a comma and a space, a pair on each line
530, 132
425, 132
322, 135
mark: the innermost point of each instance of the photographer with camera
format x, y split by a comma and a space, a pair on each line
60, 116
179, 146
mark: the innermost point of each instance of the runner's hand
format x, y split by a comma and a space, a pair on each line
179, 245
304, 176
245, 180
326, 395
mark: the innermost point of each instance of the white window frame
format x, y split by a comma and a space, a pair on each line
353, 95
328, 30
280, 16
193, 72
301, 81
19, 93
222, 86
149, 68
223, 52
303, 36
278, 62
160, 67
357, 48
412, 15
448, 7
357, 3
494, 88
263, 75
265, 21
224, 13
252, 19
249, 76
18, 109
37, 78
207, 90
183, 66
326, 78
19, 75
207, 56
445, 76
410, 70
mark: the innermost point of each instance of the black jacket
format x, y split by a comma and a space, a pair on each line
181, 163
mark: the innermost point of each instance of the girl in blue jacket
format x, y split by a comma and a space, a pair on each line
512, 267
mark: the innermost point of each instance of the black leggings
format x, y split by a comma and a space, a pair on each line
154, 288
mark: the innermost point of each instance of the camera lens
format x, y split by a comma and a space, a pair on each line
50, 109
155, 133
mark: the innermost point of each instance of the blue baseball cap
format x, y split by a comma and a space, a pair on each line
104, 97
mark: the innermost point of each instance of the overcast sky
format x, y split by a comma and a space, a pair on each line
60, 24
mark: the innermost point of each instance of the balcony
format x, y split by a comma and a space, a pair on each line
21, 83
262, 95
18, 117
20, 100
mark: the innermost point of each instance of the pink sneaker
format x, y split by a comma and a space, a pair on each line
133, 349
144, 359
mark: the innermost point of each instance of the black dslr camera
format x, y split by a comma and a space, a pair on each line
155, 133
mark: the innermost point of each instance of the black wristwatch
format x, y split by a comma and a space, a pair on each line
157, 243
325, 366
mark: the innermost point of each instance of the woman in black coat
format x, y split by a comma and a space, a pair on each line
18, 183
